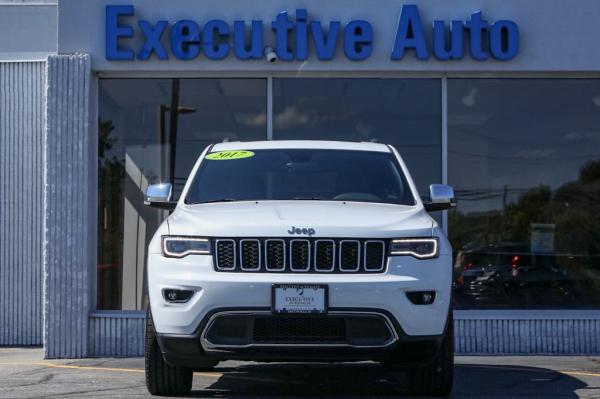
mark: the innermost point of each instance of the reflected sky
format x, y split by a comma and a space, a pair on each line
216, 109
506, 136
403, 112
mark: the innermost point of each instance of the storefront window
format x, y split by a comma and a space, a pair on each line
403, 112
524, 158
141, 142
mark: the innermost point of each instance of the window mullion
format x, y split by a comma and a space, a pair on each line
445, 144
269, 108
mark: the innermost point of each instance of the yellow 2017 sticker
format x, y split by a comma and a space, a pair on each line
227, 155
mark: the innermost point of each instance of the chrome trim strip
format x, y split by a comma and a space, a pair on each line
316, 266
250, 269
382, 256
270, 269
217, 255
209, 346
292, 256
357, 257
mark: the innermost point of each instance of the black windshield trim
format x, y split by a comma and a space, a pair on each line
300, 200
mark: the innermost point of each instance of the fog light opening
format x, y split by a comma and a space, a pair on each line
177, 296
421, 297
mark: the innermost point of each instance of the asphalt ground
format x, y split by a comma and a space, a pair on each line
24, 374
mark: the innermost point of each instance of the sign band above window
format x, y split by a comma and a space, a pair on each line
217, 39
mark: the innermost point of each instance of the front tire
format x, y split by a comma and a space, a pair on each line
435, 379
161, 378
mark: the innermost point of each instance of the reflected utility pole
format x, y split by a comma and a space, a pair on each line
162, 153
173, 128
175, 109
504, 199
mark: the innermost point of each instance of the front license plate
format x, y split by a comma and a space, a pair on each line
299, 298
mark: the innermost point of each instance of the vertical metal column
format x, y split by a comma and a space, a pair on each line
69, 253
269, 108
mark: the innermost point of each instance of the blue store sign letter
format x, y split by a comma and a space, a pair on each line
187, 39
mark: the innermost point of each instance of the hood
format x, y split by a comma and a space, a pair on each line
281, 219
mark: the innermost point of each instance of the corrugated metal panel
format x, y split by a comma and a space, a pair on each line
69, 212
522, 335
21, 202
116, 334
28, 2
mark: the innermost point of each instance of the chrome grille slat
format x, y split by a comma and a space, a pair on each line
250, 255
300, 255
349, 255
225, 259
324, 255
374, 255
275, 255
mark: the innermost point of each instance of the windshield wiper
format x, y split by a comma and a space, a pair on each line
310, 199
215, 200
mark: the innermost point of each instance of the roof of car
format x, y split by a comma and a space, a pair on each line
300, 144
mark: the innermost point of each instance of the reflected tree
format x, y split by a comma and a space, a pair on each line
111, 173
572, 211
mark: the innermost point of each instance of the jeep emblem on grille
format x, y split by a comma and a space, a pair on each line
305, 230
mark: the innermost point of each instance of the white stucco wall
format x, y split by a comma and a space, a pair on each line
28, 30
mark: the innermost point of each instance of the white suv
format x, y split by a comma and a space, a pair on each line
299, 251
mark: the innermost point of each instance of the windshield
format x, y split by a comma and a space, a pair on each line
300, 174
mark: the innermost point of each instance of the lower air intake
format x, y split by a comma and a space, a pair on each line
299, 329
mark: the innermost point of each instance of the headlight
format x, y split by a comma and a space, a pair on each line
178, 247
422, 248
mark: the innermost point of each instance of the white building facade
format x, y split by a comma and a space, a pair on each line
98, 99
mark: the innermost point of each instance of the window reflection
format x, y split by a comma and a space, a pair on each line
524, 158
403, 112
143, 141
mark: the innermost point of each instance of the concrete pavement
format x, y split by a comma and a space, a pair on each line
24, 374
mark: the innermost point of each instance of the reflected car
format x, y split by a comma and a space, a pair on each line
505, 274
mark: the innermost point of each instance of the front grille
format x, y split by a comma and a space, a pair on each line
299, 329
300, 255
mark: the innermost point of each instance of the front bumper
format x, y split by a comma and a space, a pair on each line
191, 350
384, 293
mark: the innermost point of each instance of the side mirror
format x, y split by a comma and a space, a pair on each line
441, 197
159, 196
